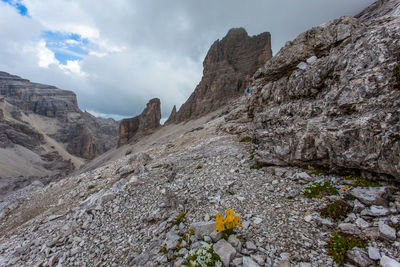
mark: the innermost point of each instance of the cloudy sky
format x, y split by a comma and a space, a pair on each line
118, 54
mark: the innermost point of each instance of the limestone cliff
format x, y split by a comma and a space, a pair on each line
145, 123
330, 97
228, 67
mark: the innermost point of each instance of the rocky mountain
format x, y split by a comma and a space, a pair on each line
228, 68
44, 134
143, 124
324, 107
330, 98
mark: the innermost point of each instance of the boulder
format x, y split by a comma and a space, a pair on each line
337, 112
225, 251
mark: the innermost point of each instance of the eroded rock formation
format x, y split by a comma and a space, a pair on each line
145, 123
44, 134
228, 67
329, 98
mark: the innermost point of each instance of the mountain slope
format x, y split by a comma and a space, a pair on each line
44, 134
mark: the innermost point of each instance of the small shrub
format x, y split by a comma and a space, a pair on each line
336, 210
318, 172
199, 167
340, 243
246, 139
362, 182
251, 156
392, 190
179, 218
157, 166
319, 189
163, 250
255, 166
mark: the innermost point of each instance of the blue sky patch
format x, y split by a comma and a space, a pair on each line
66, 46
18, 5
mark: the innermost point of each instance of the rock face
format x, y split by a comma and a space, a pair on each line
228, 67
341, 110
44, 134
133, 128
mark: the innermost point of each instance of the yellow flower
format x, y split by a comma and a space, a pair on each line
345, 187
236, 220
220, 222
230, 222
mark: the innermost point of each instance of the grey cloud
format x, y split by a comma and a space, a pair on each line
165, 43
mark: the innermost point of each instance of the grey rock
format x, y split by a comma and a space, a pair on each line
363, 224
234, 241
236, 262
359, 257
207, 238
304, 116
215, 236
386, 232
171, 240
389, 262
304, 264
371, 195
373, 253
250, 245
358, 206
376, 211
349, 228
248, 262
225, 251
203, 228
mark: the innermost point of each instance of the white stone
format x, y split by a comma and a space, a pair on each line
373, 253
311, 59
257, 220
302, 65
389, 262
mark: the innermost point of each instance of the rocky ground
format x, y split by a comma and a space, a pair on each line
140, 209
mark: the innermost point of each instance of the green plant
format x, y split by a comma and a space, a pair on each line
157, 166
340, 243
319, 189
255, 166
203, 256
179, 218
392, 189
318, 172
251, 157
336, 210
199, 167
163, 250
246, 139
361, 181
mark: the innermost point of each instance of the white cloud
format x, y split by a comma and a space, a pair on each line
74, 67
45, 55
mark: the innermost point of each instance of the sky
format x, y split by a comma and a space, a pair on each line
118, 54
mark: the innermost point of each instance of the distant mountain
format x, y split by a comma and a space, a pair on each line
44, 134
228, 67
